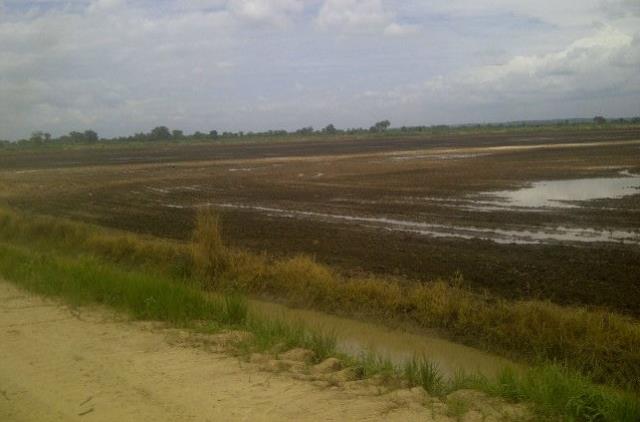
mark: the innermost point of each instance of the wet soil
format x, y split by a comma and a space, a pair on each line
421, 179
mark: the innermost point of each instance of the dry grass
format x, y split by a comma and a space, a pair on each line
605, 346
602, 345
120, 247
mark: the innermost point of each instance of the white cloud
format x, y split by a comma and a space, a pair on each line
589, 74
397, 30
350, 15
99, 6
605, 63
121, 66
274, 12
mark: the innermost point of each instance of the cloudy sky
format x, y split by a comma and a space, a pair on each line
121, 66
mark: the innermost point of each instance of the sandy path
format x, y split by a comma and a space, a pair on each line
61, 365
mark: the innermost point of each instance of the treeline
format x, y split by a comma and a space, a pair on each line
163, 133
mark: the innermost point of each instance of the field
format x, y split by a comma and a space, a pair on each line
414, 207
480, 239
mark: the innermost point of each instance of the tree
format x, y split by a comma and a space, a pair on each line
90, 136
599, 120
213, 134
380, 126
37, 137
330, 129
177, 134
305, 130
160, 132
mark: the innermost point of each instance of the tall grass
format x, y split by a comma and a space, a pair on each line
51, 233
81, 279
602, 345
210, 255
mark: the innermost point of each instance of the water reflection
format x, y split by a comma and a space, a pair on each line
356, 337
505, 236
564, 193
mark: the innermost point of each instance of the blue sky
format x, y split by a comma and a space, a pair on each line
121, 66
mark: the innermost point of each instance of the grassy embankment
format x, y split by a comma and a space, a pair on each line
154, 279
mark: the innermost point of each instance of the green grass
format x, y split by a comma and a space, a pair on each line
84, 280
87, 280
425, 373
557, 390
602, 345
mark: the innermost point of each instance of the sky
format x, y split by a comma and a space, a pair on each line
125, 66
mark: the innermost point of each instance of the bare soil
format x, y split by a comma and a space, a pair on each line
157, 189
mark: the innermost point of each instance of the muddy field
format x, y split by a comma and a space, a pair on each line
550, 215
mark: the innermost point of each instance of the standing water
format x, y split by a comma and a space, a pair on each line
356, 337
561, 193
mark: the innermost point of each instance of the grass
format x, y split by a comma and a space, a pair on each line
82, 280
601, 345
87, 280
421, 371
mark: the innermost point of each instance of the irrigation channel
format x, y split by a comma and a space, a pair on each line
398, 345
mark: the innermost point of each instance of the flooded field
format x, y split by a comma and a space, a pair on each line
569, 193
548, 215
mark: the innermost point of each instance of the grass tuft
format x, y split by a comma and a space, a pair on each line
425, 373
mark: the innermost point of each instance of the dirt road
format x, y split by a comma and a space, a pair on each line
59, 364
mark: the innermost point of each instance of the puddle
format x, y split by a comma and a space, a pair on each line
565, 193
503, 236
356, 337
437, 156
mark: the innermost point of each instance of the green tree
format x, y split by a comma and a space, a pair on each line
330, 128
177, 134
305, 130
37, 137
160, 133
380, 126
90, 136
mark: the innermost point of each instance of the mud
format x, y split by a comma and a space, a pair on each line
350, 204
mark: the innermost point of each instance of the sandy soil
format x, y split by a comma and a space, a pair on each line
61, 364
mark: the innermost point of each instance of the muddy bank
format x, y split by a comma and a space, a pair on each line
359, 337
